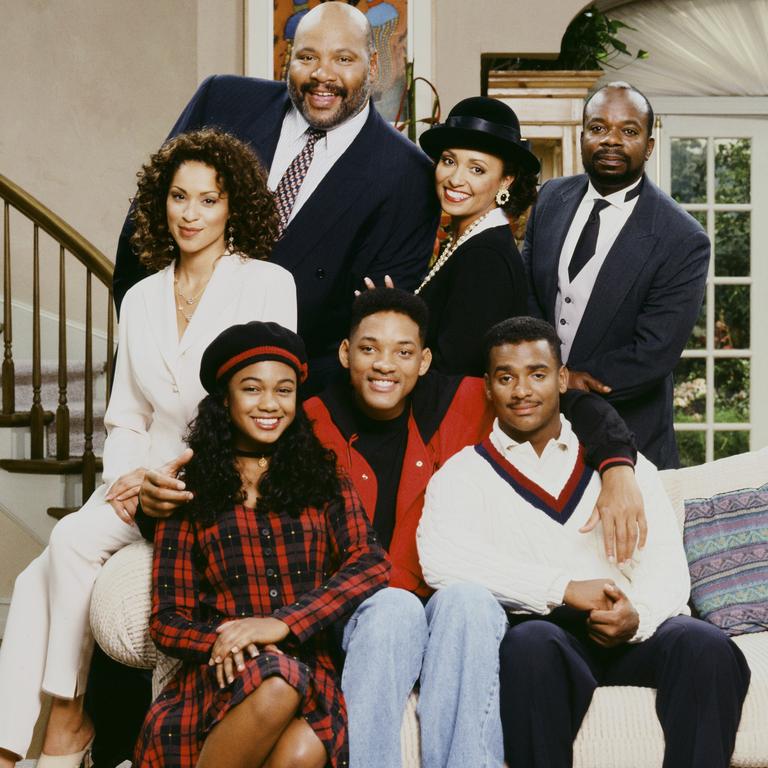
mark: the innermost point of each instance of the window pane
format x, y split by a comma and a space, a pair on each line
732, 231
732, 390
692, 448
698, 338
732, 317
730, 443
689, 170
701, 217
690, 398
732, 172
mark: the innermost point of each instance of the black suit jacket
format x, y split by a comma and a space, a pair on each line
643, 306
374, 213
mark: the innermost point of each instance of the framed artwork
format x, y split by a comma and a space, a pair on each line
400, 28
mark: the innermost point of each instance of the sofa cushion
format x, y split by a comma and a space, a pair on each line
726, 542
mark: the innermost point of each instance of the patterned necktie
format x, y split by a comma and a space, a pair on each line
288, 188
585, 247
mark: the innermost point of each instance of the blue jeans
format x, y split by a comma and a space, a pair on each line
452, 646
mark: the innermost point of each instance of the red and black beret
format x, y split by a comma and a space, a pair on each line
241, 345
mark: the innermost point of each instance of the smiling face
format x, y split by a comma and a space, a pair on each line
466, 182
615, 143
331, 71
197, 210
524, 383
385, 358
262, 403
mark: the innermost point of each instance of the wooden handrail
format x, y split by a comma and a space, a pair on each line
83, 250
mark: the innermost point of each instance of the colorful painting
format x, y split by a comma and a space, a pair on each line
389, 21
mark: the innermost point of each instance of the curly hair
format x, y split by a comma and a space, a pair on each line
252, 212
523, 190
302, 473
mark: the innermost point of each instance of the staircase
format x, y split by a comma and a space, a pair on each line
56, 373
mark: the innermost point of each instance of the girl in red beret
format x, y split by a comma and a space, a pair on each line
249, 576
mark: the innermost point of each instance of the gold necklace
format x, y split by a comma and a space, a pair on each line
450, 248
190, 302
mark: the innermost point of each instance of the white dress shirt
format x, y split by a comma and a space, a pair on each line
477, 528
293, 137
572, 297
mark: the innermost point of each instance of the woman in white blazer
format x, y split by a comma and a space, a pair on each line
205, 220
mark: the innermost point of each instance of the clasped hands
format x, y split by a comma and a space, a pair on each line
239, 637
612, 619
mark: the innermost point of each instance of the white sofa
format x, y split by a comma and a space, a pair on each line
620, 730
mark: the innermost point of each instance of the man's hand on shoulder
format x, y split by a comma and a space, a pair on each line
161, 491
586, 382
621, 510
588, 595
616, 625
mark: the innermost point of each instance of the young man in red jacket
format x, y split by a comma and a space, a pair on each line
392, 423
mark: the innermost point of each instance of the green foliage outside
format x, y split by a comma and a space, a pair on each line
731, 251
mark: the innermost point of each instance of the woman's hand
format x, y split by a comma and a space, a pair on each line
123, 494
236, 635
241, 636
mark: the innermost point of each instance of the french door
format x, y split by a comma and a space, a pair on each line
716, 167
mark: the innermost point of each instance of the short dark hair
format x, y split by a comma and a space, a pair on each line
377, 300
518, 329
622, 85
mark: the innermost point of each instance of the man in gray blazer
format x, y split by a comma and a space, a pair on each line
619, 268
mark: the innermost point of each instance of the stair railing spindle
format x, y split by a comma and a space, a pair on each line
8, 374
62, 412
110, 344
36, 413
89, 460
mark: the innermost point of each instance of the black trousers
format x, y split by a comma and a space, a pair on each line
117, 699
550, 669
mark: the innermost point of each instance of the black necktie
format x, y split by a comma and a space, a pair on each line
585, 247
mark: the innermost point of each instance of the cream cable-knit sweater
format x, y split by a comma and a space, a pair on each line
478, 528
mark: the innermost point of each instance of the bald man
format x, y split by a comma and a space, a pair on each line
366, 206
619, 269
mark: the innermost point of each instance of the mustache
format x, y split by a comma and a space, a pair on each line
336, 90
599, 153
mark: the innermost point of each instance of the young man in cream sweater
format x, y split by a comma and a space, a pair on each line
506, 514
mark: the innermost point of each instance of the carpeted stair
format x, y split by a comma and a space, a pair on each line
49, 394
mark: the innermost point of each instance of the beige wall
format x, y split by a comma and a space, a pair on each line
89, 88
465, 30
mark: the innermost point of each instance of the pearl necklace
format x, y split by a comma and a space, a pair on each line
450, 248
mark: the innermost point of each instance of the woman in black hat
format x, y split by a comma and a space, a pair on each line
249, 576
484, 173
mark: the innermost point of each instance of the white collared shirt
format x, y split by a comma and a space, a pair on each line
572, 297
293, 137
552, 469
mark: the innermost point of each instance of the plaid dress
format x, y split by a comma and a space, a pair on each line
308, 572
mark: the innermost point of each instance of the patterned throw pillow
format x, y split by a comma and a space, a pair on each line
726, 542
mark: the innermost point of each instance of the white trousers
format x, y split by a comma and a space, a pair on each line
47, 644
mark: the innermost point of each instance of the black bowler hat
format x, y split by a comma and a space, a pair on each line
487, 125
241, 345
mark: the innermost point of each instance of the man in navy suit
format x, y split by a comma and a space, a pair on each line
619, 269
366, 206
